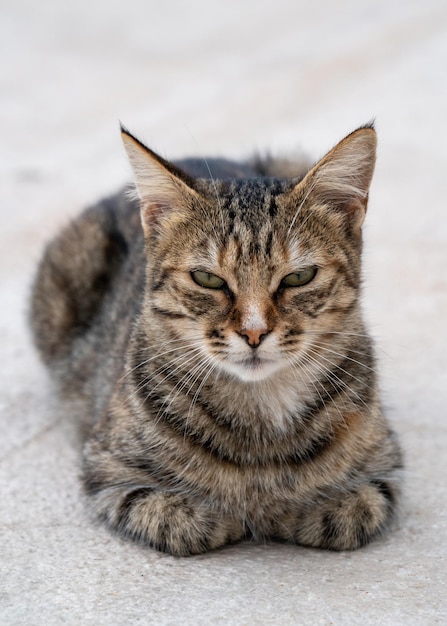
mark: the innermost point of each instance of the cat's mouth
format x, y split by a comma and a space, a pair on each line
254, 368
254, 362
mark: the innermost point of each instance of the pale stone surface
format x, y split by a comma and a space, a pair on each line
222, 78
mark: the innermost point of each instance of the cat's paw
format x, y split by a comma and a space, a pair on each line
349, 521
169, 522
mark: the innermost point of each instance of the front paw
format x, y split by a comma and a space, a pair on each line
167, 521
348, 521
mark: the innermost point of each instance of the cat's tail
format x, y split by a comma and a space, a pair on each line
72, 278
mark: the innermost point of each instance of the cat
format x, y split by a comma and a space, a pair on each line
211, 325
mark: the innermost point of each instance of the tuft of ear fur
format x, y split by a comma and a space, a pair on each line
163, 189
341, 179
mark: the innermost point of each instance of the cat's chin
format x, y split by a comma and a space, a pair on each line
252, 370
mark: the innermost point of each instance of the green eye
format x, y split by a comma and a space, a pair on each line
205, 279
299, 278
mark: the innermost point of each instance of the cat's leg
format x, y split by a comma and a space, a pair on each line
344, 521
71, 281
169, 522
142, 500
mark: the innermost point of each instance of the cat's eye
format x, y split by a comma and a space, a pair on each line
299, 278
207, 280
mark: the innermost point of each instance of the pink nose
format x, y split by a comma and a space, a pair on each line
254, 336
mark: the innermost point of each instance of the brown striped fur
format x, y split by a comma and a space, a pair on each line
213, 414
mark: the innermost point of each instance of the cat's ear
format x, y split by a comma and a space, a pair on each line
341, 179
163, 189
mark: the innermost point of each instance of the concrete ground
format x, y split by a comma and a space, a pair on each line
222, 78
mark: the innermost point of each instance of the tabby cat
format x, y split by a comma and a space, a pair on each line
213, 330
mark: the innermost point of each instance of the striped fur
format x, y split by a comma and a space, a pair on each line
214, 414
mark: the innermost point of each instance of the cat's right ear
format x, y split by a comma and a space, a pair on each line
164, 190
340, 181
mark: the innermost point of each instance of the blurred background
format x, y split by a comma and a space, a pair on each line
209, 77
225, 78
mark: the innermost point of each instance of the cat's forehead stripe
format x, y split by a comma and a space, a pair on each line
248, 200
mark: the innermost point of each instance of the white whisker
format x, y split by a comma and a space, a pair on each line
190, 377
168, 365
330, 374
156, 355
343, 356
180, 363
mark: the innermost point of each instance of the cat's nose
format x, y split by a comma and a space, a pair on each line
254, 336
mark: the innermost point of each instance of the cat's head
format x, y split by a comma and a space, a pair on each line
255, 274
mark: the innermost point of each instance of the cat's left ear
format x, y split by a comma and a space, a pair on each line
164, 190
341, 179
